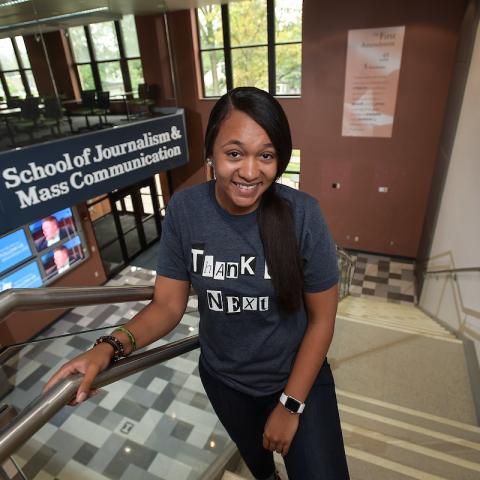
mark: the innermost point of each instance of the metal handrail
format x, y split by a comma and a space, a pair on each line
41, 409
344, 253
454, 270
347, 266
49, 298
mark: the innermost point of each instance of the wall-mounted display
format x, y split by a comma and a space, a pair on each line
38, 253
374, 57
27, 276
62, 257
51, 229
14, 249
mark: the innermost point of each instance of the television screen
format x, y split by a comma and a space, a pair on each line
61, 258
14, 248
52, 229
26, 277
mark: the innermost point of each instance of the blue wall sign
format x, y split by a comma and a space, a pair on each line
44, 178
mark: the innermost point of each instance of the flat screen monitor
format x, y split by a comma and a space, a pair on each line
53, 229
14, 249
62, 257
26, 277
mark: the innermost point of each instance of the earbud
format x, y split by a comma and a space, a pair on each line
209, 162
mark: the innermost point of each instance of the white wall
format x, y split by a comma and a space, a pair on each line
456, 240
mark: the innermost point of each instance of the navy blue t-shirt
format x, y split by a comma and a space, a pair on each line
245, 341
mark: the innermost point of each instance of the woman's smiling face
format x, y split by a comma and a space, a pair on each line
245, 163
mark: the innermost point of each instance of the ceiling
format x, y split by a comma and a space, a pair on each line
35, 16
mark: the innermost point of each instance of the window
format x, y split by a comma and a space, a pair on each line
253, 42
16, 73
107, 56
291, 176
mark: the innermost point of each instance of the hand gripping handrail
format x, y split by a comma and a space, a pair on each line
49, 298
41, 409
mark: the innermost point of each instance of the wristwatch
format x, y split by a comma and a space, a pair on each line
292, 404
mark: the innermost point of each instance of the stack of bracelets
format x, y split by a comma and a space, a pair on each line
118, 349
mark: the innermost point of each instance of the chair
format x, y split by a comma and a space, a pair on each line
30, 118
53, 114
146, 97
14, 102
103, 108
88, 105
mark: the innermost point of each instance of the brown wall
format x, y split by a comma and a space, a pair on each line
21, 326
60, 63
157, 70
39, 65
388, 223
405, 162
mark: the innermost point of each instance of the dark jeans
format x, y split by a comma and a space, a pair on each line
316, 451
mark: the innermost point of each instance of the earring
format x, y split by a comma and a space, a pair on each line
209, 162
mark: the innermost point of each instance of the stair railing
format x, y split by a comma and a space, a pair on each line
41, 409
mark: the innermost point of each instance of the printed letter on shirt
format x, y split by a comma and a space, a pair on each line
198, 249
247, 265
232, 270
208, 266
266, 275
250, 303
233, 304
263, 304
214, 299
219, 273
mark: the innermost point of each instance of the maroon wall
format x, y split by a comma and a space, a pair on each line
61, 63
388, 223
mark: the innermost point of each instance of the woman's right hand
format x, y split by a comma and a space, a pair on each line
90, 364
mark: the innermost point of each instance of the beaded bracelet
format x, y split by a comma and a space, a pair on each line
130, 336
118, 350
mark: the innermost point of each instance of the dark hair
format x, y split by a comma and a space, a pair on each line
275, 217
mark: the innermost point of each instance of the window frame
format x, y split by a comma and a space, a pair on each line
21, 70
227, 51
122, 59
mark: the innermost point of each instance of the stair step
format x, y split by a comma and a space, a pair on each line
409, 472
227, 475
405, 318
416, 417
407, 431
408, 454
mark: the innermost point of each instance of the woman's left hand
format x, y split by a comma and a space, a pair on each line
280, 429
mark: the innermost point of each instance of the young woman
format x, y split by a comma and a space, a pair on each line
261, 259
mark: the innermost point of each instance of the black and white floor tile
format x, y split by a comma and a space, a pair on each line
385, 277
156, 424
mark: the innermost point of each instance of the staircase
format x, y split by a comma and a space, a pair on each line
403, 394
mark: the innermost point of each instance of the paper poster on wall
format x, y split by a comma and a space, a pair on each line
371, 81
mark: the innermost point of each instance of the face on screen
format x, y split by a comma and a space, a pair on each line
60, 257
50, 228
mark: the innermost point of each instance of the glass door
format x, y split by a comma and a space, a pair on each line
126, 222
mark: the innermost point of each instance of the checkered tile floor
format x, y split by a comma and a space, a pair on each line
380, 276
156, 424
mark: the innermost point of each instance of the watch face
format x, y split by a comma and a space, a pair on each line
292, 404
